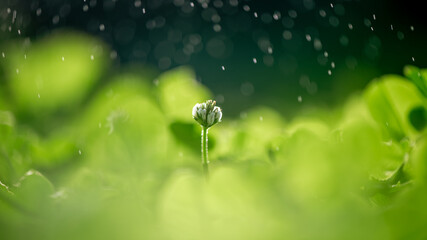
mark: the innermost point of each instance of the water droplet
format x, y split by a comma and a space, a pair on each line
191, 4
400, 35
99, 124
372, 29
223, 68
287, 35
17, 71
413, 59
255, 14
254, 60
85, 8
137, 3
292, 13
326, 54
38, 95
329, 72
143, 10
299, 99
63, 58
350, 26
261, 118
3, 55
101, 27
374, 17
246, 8
92, 57
332, 5
322, 13
391, 27
277, 15
308, 37
38, 11
80, 152
113, 54
25, 56
55, 19
333, 64
412, 28
217, 28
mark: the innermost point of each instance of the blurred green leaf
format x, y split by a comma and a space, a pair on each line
33, 191
189, 134
55, 73
416, 76
178, 92
390, 100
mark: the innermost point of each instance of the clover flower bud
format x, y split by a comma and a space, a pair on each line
207, 114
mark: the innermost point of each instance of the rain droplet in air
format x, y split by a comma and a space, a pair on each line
299, 99
413, 59
329, 72
217, 28
92, 57
63, 58
374, 17
38, 95
254, 60
223, 68
350, 26
85, 8
326, 54
101, 27
3, 55
17, 71
333, 64
143, 10
38, 11
80, 152
255, 14
308, 37
332, 5
412, 28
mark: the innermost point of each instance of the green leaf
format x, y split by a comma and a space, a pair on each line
188, 134
33, 191
56, 73
178, 92
417, 77
390, 100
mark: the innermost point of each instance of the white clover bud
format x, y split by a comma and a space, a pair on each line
207, 114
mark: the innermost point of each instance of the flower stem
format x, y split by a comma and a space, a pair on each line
205, 152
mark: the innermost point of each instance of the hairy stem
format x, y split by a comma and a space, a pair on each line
205, 152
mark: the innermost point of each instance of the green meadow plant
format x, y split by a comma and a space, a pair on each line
207, 115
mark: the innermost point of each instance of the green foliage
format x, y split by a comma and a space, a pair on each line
126, 165
54, 74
